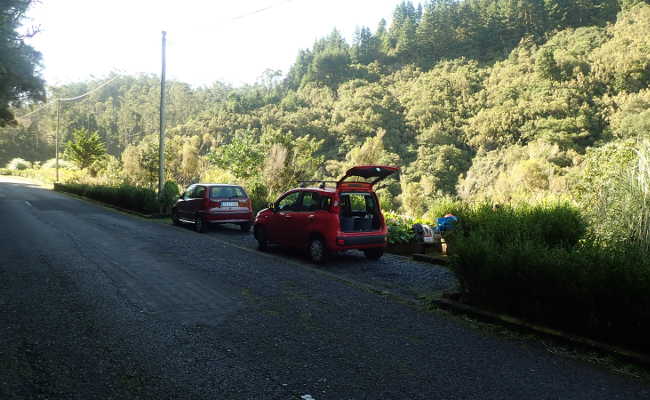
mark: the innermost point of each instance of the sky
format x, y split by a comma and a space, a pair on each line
207, 40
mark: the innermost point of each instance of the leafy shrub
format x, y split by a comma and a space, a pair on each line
535, 262
63, 164
550, 224
124, 196
400, 228
258, 194
170, 193
18, 164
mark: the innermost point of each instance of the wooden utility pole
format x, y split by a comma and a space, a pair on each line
161, 155
56, 141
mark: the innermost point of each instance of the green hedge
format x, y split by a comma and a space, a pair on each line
535, 262
124, 196
399, 228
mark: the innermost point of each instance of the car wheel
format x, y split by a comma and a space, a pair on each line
175, 219
262, 242
317, 250
199, 224
374, 254
245, 227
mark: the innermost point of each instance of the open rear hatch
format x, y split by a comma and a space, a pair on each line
359, 206
372, 173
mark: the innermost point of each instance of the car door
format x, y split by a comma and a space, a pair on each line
282, 225
184, 203
195, 203
304, 219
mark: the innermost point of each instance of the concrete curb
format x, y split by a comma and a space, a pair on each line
509, 321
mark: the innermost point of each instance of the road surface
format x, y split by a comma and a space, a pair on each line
95, 304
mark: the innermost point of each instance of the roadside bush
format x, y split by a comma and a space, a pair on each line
168, 196
258, 194
550, 224
124, 196
534, 262
63, 164
400, 228
18, 164
587, 290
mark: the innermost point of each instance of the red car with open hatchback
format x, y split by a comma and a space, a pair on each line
329, 216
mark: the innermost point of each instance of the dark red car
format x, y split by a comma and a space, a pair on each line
213, 203
326, 219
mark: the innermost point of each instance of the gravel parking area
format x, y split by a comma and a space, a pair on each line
393, 273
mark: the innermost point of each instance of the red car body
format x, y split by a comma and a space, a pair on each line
211, 203
328, 219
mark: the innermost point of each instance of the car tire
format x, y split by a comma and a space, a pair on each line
317, 251
245, 227
199, 224
262, 241
175, 219
373, 254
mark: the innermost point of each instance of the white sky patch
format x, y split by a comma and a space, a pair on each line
207, 40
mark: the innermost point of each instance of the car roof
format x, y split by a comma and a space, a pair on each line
331, 190
316, 189
217, 184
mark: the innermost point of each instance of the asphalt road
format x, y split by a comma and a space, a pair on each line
97, 304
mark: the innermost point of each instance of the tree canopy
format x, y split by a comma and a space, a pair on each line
19, 62
499, 99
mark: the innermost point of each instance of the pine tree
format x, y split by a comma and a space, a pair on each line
85, 148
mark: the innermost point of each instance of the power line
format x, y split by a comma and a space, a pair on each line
89, 92
69, 98
34, 112
261, 10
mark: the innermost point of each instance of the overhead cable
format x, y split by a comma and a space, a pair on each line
261, 10
69, 98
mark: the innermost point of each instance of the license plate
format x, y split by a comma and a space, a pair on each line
229, 204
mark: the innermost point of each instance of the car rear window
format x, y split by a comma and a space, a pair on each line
227, 192
355, 202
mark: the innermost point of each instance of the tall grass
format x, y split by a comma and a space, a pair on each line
620, 215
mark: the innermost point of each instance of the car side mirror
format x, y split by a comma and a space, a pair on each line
271, 206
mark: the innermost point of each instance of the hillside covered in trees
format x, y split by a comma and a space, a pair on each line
497, 99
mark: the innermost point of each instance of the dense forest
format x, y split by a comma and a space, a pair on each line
474, 99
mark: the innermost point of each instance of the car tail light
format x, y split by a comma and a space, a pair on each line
340, 242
